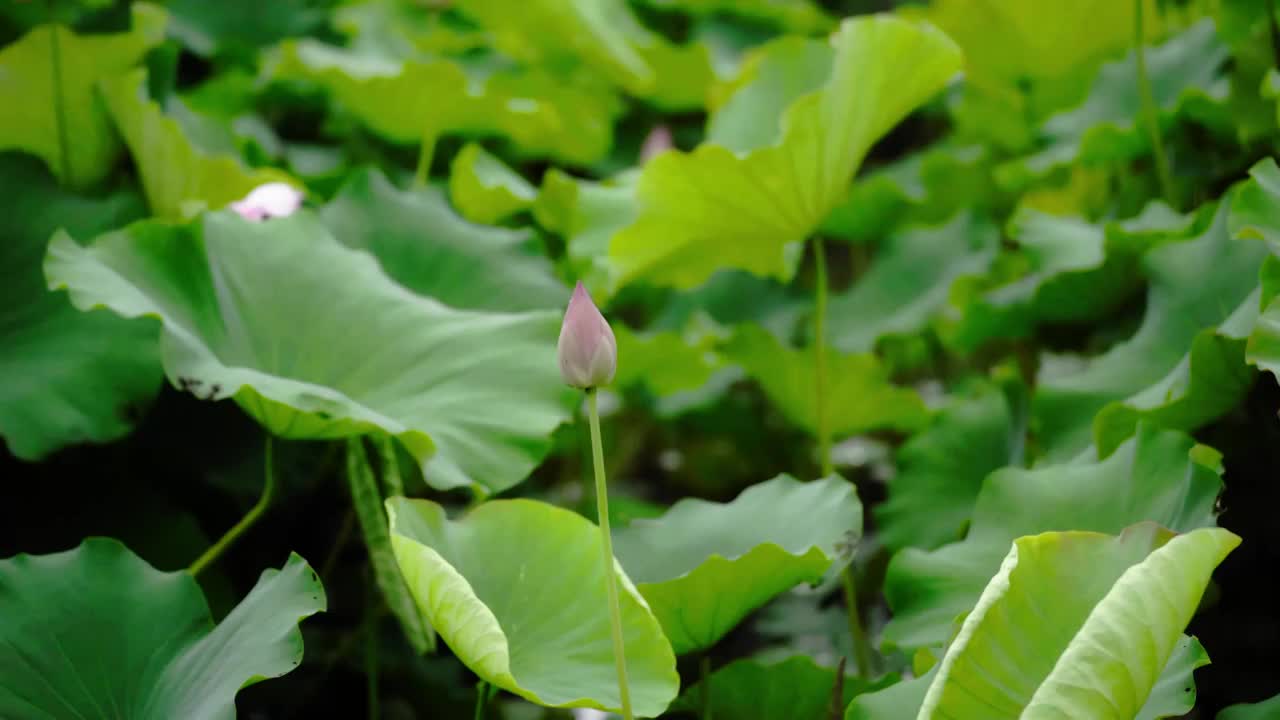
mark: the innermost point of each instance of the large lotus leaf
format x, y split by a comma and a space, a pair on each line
52, 105
1195, 285
713, 208
749, 110
801, 16
1152, 476
400, 31
1265, 710
209, 29
404, 101
859, 396
1076, 624
910, 280
314, 341
1186, 78
179, 178
1075, 272
517, 590
759, 688
98, 632
587, 214
927, 187
900, 701
423, 245
940, 470
65, 376
704, 566
486, 191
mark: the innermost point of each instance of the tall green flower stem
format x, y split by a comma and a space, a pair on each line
861, 649
251, 517
704, 668
1149, 116
606, 543
484, 691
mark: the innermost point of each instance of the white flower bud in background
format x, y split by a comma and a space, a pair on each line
657, 141
268, 201
587, 349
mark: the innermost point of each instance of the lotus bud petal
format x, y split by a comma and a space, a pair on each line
588, 350
267, 201
657, 141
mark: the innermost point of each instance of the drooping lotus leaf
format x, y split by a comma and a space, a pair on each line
716, 208
1265, 710
517, 590
1076, 272
1195, 285
927, 187
314, 341
705, 566
897, 702
1152, 476
98, 632
1076, 624
486, 191
403, 101
859, 396
940, 470
32, 121
910, 280
423, 245
758, 688
179, 178
1186, 79
65, 376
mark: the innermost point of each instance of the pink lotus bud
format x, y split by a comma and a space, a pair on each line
587, 349
657, 141
267, 201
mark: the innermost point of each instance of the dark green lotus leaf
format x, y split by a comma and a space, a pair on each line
704, 566
220, 29
1077, 624
860, 396
423, 245
484, 189
1075, 272
97, 632
65, 376
802, 16
407, 100
910, 280
900, 701
1152, 476
762, 688
313, 340
1195, 285
77, 144
941, 469
1186, 79
517, 590
180, 179
1255, 214
1265, 710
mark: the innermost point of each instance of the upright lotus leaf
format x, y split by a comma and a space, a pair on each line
1076, 624
403, 101
759, 688
1075, 272
1195, 285
423, 245
718, 208
1186, 79
180, 179
65, 376
98, 632
1265, 710
859, 396
517, 590
910, 280
705, 566
1152, 476
486, 191
51, 107
803, 16
314, 341
928, 186
940, 470
586, 214
1205, 384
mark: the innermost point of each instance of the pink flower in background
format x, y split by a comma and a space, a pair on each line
587, 348
658, 140
268, 201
